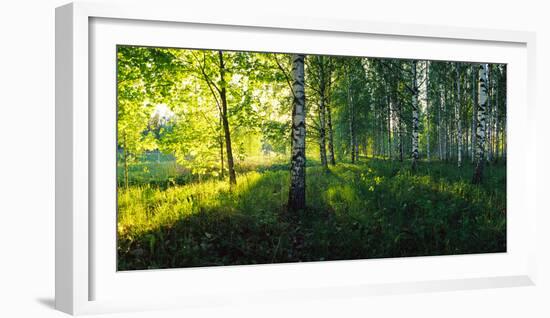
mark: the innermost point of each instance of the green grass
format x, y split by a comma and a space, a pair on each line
374, 209
163, 172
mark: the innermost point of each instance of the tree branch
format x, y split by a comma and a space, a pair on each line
287, 77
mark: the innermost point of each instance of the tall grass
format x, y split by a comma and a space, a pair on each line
369, 210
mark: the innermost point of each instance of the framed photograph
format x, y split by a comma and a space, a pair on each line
205, 159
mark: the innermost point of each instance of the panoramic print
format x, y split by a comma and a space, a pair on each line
238, 158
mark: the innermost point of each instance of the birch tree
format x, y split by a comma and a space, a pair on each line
480, 130
297, 193
488, 116
474, 110
458, 119
414, 116
427, 83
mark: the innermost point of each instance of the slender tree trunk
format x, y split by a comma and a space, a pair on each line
351, 119
481, 124
356, 146
439, 125
504, 139
474, 110
330, 136
322, 128
297, 193
488, 115
222, 168
467, 141
328, 78
389, 102
443, 124
446, 134
458, 119
225, 122
400, 130
427, 112
497, 127
414, 117
322, 142
377, 140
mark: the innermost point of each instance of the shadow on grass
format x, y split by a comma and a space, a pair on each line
369, 210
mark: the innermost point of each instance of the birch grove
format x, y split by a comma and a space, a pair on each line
217, 166
408, 111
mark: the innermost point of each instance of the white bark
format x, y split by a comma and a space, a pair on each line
439, 125
459, 122
414, 116
297, 193
427, 113
488, 116
474, 111
481, 123
497, 127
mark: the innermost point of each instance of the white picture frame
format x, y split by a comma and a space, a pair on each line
86, 280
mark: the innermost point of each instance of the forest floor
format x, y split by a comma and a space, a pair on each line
372, 209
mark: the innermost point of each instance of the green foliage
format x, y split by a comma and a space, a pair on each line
369, 210
185, 84
143, 79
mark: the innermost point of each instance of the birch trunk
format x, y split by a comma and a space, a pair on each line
427, 113
469, 144
389, 102
297, 193
380, 140
439, 126
497, 132
474, 111
330, 135
459, 122
400, 131
481, 124
488, 116
445, 125
414, 117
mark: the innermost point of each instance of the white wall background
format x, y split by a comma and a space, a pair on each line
27, 158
